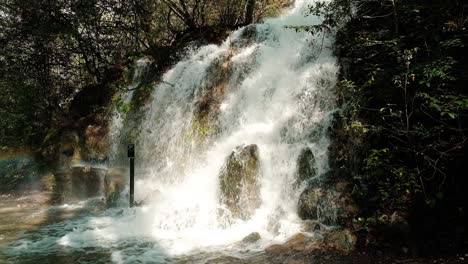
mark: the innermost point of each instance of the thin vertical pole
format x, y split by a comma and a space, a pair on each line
132, 181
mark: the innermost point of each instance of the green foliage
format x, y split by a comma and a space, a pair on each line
200, 130
121, 106
437, 73
333, 14
50, 51
446, 105
393, 182
404, 97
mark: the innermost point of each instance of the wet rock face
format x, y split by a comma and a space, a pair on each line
95, 142
330, 205
339, 239
239, 182
309, 203
114, 183
252, 238
69, 149
247, 37
305, 166
71, 183
86, 181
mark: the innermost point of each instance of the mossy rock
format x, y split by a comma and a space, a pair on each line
341, 239
239, 182
331, 204
309, 202
305, 166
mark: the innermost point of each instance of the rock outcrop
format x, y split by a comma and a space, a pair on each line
252, 238
114, 183
239, 185
305, 166
329, 204
86, 181
339, 239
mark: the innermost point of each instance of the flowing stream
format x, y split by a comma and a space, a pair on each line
266, 85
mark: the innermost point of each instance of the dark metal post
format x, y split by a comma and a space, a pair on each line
131, 155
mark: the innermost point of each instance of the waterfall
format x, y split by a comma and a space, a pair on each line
266, 85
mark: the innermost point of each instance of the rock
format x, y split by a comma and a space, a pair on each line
114, 183
343, 186
341, 239
248, 35
252, 238
305, 166
86, 181
383, 219
89, 99
274, 224
62, 187
330, 205
393, 226
69, 149
95, 141
309, 202
239, 182
296, 243
311, 226
277, 249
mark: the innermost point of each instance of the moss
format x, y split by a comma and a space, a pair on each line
200, 130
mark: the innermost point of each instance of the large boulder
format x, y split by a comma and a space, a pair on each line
330, 205
252, 238
239, 182
311, 201
86, 181
341, 239
296, 243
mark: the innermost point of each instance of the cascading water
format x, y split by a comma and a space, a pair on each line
265, 85
117, 133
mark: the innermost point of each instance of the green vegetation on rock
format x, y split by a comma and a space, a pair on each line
239, 184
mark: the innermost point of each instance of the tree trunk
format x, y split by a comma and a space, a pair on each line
249, 12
